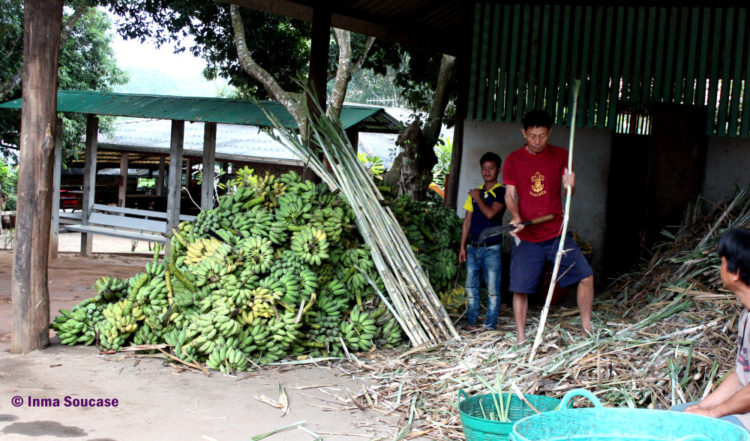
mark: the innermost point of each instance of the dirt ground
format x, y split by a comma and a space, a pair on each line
157, 400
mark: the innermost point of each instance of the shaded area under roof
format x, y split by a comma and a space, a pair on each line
218, 110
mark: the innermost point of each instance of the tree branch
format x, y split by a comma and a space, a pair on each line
256, 71
343, 73
363, 56
434, 120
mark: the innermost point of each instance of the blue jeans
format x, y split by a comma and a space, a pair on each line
728, 418
483, 261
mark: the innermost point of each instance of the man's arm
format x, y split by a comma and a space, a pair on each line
464, 237
489, 211
511, 201
725, 393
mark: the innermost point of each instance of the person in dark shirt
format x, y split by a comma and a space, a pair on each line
484, 208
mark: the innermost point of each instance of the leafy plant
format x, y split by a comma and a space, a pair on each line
443, 151
8, 181
373, 164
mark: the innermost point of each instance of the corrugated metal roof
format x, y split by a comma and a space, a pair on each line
218, 110
524, 56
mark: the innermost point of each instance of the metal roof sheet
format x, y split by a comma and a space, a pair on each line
218, 110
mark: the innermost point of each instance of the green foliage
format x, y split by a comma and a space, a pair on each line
86, 62
8, 181
373, 164
443, 151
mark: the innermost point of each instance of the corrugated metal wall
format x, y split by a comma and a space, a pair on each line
524, 56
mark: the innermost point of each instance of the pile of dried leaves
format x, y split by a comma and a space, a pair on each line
663, 335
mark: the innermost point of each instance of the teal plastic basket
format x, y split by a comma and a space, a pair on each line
602, 424
477, 427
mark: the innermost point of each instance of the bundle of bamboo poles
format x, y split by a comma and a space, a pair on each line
664, 334
413, 301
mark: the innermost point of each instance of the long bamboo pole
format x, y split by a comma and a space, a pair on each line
566, 219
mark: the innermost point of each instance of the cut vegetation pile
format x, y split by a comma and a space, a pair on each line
665, 334
277, 269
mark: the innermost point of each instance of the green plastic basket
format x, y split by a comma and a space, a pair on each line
479, 428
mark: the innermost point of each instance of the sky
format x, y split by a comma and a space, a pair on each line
159, 70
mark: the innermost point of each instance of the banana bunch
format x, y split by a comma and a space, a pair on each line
271, 188
227, 359
330, 306
110, 289
442, 268
258, 254
311, 245
390, 335
454, 299
109, 335
123, 316
293, 211
74, 327
145, 335
201, 249
256, 222
359, 330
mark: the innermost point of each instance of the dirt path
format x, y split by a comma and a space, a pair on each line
158, 400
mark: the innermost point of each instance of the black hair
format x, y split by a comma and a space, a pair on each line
491, 157
734, 246
537, 118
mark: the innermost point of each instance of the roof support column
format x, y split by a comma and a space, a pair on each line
174, 179
353, 135
29, 290
89, 180
123, 181
209, 163
321, 39
56, 172
160, 178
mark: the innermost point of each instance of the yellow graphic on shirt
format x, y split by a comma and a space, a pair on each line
537, 186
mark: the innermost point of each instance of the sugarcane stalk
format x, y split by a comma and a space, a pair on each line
566, 219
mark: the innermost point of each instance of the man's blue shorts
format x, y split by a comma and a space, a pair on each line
528, 259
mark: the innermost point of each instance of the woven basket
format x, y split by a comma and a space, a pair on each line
477, 426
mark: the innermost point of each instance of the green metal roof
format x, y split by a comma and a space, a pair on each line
218, 110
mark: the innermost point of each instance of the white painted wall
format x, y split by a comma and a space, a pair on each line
727, 166
591, 157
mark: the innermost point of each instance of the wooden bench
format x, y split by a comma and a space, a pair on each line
121, 222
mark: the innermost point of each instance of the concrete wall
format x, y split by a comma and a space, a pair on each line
727, 166
591, 159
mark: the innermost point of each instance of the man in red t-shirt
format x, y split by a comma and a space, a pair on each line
534, 176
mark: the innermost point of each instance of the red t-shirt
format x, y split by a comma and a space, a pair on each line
538, 182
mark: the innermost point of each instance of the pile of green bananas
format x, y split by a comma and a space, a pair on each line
277, 269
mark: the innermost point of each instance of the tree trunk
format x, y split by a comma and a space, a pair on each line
31, 315
411, 172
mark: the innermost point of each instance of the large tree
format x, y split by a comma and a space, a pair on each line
86, 62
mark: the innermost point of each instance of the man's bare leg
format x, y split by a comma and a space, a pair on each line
585, 302
520, 308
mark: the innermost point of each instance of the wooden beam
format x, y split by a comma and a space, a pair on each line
384, 28
160, 178
320, 44
174, 179
56, 172
89, 180
29, 291
209, 164
353, 136
122, 190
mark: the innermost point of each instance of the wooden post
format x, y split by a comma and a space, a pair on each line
89, 180
160, 178
209, 162
318, 68
174, 179
54, 229
353, 135
29, 291
122, 191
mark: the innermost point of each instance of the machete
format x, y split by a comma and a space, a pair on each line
500, 229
